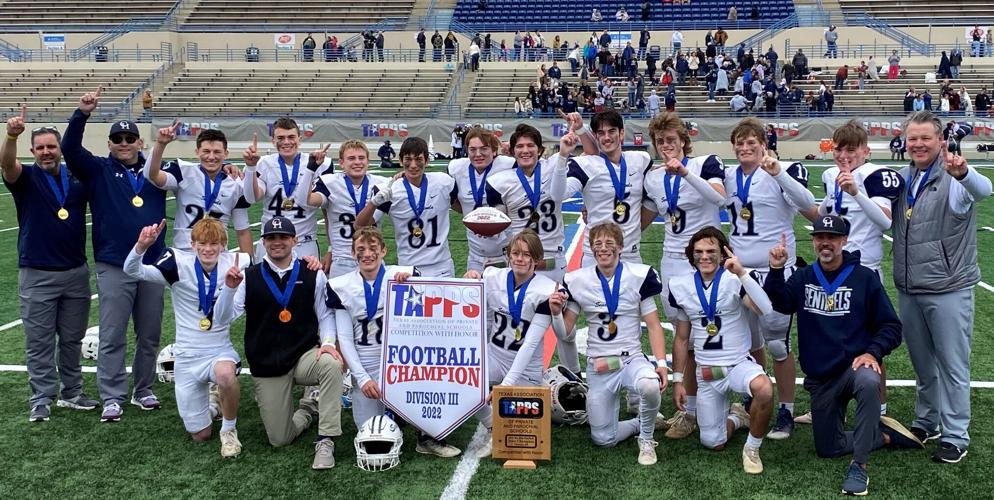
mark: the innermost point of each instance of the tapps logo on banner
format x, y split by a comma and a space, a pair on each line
496, 128
786, 129
306, 129
434, 362
192, 129
384, 130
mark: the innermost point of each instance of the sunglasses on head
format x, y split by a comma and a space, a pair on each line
44, 129
117, 138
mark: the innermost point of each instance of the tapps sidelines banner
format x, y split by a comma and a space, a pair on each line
434, 362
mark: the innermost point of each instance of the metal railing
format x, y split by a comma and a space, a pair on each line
880, 26
126, 108
12, 52
352, 54
851, 49
137, 54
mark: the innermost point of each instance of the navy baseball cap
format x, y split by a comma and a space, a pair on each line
279, 225
831, 224
124, 127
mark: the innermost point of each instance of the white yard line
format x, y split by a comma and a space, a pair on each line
459, 484
18, 322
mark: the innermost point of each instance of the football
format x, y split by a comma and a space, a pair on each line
486, 221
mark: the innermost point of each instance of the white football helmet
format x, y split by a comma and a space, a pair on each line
91, 345
165, 364
569, 396
378, 443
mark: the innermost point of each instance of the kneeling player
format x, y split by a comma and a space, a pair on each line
709, 306
203, 349
357, 298
518, 302
615, 296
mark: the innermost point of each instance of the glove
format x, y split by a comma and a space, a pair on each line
384, 195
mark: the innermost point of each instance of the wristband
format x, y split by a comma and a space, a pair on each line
677, 378
11, 137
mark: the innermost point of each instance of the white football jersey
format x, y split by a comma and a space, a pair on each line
347, 295
734, 339
483, 246
880, 184
693, 211
432, 247
639, 286
589, 175
342, 208
271, 181
771, 214
504, 343
187, 180
505, 192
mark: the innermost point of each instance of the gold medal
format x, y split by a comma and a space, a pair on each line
288, 204
612, 327
673, 219
830, 304
417, 232
712, 329
205, 324
63, 213
907, 213
745, 213
285, 316
533, 217
517, 334
137, 201
619, 209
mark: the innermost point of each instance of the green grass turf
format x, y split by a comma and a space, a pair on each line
75, 456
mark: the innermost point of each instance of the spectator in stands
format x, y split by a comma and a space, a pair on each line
645, 11
368, 45
309, 45
721, 82
955, 60
740, 55
720, 39
832, 40
800, 64
574, 59
599, 102
487, 47
379, 41
788, 72
482, 5
328, 50
519, 107
733, 14
771, 58
756, 92
670, 101
456, 142
677, 41
918, 104
897, 148
711, 77
982, 102
596, 16
861, 73
653, 103
754, 13
738, 102
966, 104
841, 76
927, 97
621, 15
709, 41
771, 140
989, 41
872, 70
147, 100
422, 40
693, 66
474, 56
590, 55
517, 45
503, 55
650, 66
386, 154
555, 74
955, 105
976, 41
605, 40
909, 100
436, 46
450, 46
643, 42
894, 65
944, 105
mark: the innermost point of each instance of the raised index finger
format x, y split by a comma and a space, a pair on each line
728, 251
255, 140
100, 89
783, 239
237, 254
24, 111
326, 147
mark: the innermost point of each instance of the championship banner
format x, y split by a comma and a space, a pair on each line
434, 361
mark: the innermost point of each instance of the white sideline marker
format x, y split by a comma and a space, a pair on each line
459, 484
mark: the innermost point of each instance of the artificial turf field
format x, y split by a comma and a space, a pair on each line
149, 455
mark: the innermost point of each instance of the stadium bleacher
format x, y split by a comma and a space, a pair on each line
282, 13
56, 91
919, 12
112, 12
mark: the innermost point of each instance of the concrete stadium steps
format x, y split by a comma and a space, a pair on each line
920, 12
110, 12
278, 13
57, 90
380, 89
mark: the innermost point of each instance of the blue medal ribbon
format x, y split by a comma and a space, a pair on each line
838, 198
515, 302
282, 298
206, 294
744, 184
137, 180
830, 288
478, 190
373, 293
211, 192
671, 183
611, 296
534, 193
618, 181
289, 180
710, 307
60, 196
419, 207
361, 202
913, 194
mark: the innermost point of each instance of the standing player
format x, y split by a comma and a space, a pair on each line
471, 176
274, 179
862, 193
419, 208
518, 302
689, 193
342, 195
710, 305
203, 349
122, 203
53, 279
358, 298
765, 194
201, 189
615, 296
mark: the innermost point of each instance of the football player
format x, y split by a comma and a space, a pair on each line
274, 180
615, 296
342, 195
709, 308
688, 192
418, 204
518, 307
358, 298
203, 349
471, 175
765, 194
202, 190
